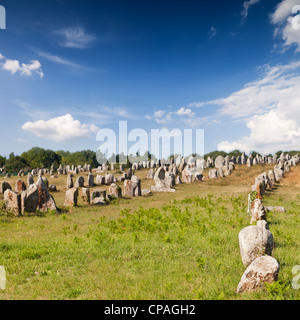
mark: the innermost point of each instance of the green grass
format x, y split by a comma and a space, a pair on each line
182, 246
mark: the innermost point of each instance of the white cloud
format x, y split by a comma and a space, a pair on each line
287, 22
57, 59
75, 38
246, 6
60, 128
283, 11
185, 112
270, 107
14, 66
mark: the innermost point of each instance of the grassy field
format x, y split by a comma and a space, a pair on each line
165, 246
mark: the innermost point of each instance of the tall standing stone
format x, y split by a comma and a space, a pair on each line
71, 197
136, 186
70, 184
90, 180
46, 201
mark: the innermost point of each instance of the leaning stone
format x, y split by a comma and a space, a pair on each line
262, 270
12, 202
254, 242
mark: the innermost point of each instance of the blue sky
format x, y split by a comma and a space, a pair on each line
69, 68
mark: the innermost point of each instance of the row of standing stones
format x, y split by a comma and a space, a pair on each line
256, 242
165, 176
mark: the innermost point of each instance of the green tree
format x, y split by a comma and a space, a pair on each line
15, 163
41, 158
2, 161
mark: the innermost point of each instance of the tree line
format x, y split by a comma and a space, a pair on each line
41, 158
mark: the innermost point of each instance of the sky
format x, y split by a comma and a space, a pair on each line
69, 68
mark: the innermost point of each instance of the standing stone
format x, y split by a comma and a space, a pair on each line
279, 173
128, 190
213, 174
262, 270
30, 179
136, 186
116, 191
109, 178
12, 202
219, 162
30, 199
187, 175
4, 186
151, 174
100, 180
129, 174
46, 182
178, 180
70, 184
169, 179
79, 182
86, 195
249, 162
254, 242
90, 180
20, 186
257, 211
160, 183
46, 201
221, 173
71, 197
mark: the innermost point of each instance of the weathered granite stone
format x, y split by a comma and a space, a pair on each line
262, 270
